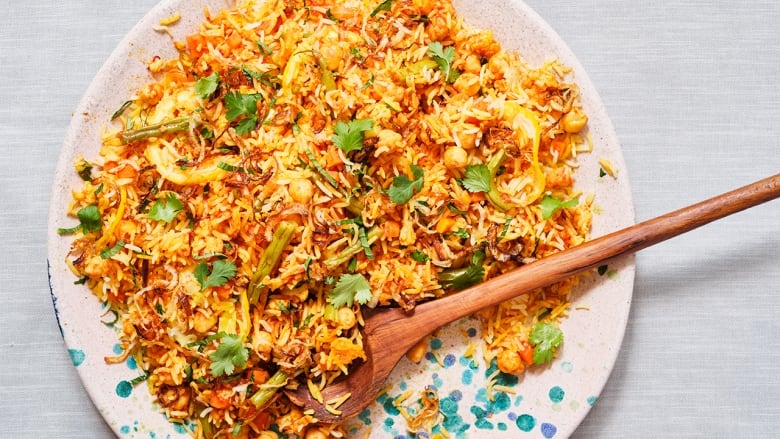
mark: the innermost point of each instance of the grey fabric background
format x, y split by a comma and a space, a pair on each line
693, 89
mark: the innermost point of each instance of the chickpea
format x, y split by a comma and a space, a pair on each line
202, 323
301, 190
346, 317
510, 362
472, 64
315, 433
574, 121
455, 157
331, 54
388, 138
467, 84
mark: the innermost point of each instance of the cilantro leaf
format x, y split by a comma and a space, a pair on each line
545, 337
419, 256
349, 136
230, 354
166, 210
89, 221
242, 106
206, 86
550, 205
350, 288
221, 271
444, 58
108, 252
403, 189
477, 178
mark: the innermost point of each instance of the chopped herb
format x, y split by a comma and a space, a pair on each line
550, 205
139, 379
444, 58
368, 83
602, 270
121, 109
202, 343
230, 353
226, 167
477, 178
545, 337
330, 16
84, 169
265, 49
350, 288
306, 266
461, 233
98, 189
462, 278
207, 133
403, 189
356, 53
159, 308
365, 244
349, 136
322, 171
283, 307
454, 209
206, 86
242, 107
89, 221
384, 6
108, 252
419, 256
166, 210
221, 271
295, 128
81, 281
504, 231
265, 78
602, 172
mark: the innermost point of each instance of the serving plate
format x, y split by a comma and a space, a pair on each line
543, 403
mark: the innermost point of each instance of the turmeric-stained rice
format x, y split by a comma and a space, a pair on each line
300, 161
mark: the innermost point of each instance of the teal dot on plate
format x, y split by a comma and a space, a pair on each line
592, 400
525, 423
125, 429
501, 426
117, 349
131, 364
77, 356
179, 428
467, 376
556, 394
124, 389
567, 366
436, 343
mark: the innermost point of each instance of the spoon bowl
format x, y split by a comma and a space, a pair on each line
390, 332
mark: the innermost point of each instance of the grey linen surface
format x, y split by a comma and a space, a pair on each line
693, 90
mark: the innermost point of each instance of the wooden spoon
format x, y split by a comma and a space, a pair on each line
389, 333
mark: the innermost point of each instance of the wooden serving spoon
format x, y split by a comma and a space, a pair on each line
389, 333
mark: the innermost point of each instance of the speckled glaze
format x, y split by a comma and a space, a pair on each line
543, 403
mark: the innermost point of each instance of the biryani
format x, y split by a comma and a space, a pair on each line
302, 161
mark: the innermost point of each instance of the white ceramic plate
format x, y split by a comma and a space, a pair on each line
544, 403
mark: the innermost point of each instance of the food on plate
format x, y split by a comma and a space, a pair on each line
301, 161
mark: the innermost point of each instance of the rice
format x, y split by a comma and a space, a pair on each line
299, 162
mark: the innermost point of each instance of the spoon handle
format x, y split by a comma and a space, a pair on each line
564, 264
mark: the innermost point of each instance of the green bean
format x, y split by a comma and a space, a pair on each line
270, 258
268, 389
